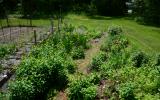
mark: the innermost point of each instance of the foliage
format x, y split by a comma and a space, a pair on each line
149, 10
70, 65
95, 34
22, 90
126, 91
47, 66
78, 53
84, 87
110, 7
114, 30
138, 82
43, 74
6, 49
116, 41
98, 60
73, 39
89, 93
139, 58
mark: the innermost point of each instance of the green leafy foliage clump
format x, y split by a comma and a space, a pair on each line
139, 58
42, 74
126, 91
84, 88
48, 65
115, 41
6, 49
78, 53
135, 73
114, 30
98, 60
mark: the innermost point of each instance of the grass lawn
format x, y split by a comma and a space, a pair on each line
144, 37
26, 22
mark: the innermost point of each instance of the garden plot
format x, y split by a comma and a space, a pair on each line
21, 34
7, 64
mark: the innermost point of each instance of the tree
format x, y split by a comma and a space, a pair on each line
111, 7
149, 10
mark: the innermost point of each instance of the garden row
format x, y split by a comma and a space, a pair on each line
119, 71
124, 72
49, 64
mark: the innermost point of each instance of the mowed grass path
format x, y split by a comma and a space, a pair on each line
146, 38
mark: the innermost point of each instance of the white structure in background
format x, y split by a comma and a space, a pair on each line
130, 6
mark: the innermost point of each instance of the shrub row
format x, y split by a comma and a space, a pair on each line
135, 74
48, 65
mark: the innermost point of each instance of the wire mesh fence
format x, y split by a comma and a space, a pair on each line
22, 31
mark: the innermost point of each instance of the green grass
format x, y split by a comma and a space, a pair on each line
143, 37
26, 22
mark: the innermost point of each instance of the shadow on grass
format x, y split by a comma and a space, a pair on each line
104, 17
126, 17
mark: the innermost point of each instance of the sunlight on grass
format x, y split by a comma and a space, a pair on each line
143, 37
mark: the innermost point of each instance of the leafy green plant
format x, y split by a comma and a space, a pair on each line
71, 67
68, 28
126, 91
6, 49
89, 93
78, 53
95, 34
98, 60
84, 88
115, 44
139, 58
22, 90
114, 30
46, 66
43, 74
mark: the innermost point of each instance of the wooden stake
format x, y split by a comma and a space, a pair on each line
35, 37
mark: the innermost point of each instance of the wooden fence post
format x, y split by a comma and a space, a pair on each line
52, 25
35, 37
2, 31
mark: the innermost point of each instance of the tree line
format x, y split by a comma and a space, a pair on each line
145, 10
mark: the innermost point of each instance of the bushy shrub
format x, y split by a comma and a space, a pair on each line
68, 28
6, 49
74, 40
71, 67
84, 88
115, 42
89, 93
43, 73
22, 90
78, 53
98, 60
114, 30
126, 91
95, 34
68, 44
139, 58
